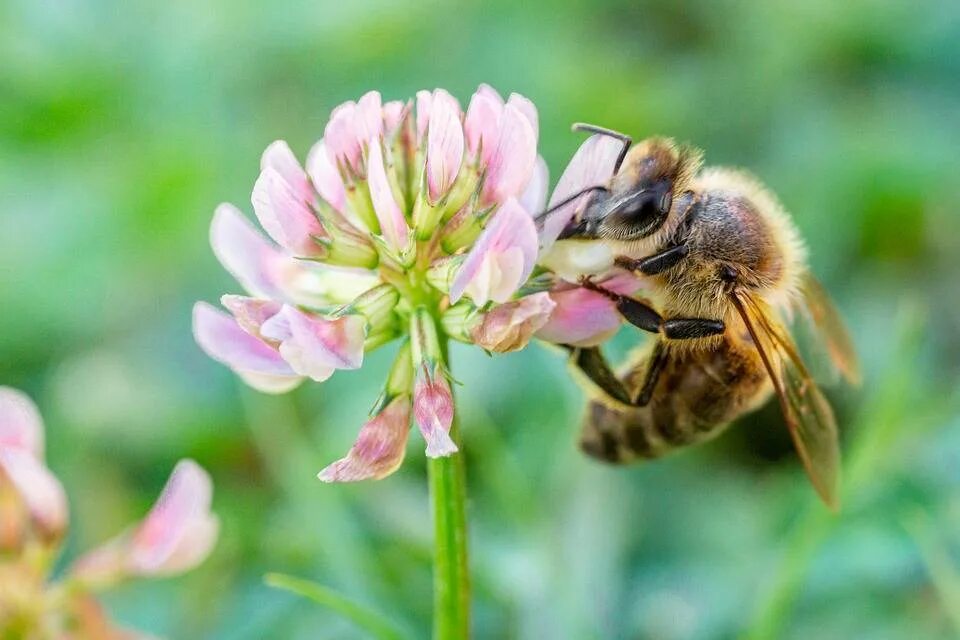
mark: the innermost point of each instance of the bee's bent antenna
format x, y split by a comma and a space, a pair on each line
540, 216
603, 131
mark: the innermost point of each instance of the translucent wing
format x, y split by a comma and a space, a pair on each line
808, 414
591, 165
830, 330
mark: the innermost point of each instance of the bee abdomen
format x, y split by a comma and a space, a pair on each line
619, 434
696, 396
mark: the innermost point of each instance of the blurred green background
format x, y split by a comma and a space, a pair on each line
123, 124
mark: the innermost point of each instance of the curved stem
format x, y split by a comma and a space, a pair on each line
451, 578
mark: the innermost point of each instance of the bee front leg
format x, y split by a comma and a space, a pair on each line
678, 249
657, 263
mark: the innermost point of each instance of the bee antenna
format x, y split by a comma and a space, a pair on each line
603, 131
540, 216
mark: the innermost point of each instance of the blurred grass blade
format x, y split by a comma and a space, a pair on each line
375, 623
942, 570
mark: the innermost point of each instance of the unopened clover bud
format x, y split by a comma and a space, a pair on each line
459, 320
378, 307
443, 271
463, 228
343, 244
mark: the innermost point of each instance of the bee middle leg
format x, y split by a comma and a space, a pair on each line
643, 316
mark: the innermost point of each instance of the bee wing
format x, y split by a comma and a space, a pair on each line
591, 165
830, 329
807, 412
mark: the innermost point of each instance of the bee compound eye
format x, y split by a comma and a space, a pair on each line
643, 206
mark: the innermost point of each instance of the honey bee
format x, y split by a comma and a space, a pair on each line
729, 270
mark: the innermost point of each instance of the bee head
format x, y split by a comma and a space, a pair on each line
641, 194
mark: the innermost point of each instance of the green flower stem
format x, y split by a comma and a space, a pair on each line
451, 578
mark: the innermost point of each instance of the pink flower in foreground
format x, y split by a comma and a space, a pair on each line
177, 535
410, 221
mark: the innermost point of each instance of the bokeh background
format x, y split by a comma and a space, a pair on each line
122, 125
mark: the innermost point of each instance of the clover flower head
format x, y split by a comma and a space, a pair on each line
410, 221
177, 534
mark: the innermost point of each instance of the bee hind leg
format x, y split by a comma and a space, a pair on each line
658, 359
591, 362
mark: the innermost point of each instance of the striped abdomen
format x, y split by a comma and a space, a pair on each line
697, 394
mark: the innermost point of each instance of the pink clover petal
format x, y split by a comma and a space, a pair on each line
433, 413
511, 165
534, 197
424, 104
444, 145
315, 346
258, 363
509, 327
502, 258
40, 491
286, 217
582, 318
379, 448
21, 426
393, 224
180, 531
590, 166
279, 157
482, 125
325, 176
